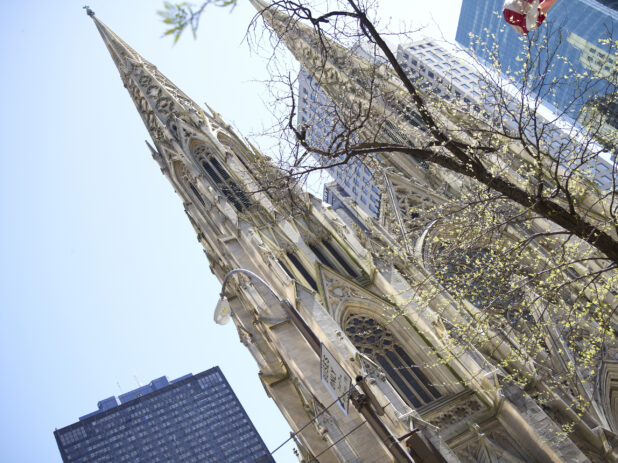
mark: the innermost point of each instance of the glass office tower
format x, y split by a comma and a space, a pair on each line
315, 110
444, 74
195, 418
576, 27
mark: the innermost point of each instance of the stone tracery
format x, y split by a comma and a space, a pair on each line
379, 344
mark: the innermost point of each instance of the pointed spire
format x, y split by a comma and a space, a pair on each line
259, 5
120, 51
325, 59
350, 77
284, 25
158, 100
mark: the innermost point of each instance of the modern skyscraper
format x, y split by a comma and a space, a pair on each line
195, 418
316, 114
578, 28
613, 4
451, 78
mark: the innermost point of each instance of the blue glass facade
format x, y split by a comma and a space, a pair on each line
576, 27
195, 418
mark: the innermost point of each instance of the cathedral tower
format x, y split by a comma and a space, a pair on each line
320, 312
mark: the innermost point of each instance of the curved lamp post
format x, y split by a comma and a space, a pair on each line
223, 310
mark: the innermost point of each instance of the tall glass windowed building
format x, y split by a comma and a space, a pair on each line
195, 418
441, 72
578, 28
355, 180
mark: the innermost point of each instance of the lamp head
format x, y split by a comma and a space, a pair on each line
223, 311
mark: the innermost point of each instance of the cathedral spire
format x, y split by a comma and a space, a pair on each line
293, 33
160, 103
348, 75
119, 50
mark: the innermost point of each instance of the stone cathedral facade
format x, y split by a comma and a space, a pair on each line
356, 305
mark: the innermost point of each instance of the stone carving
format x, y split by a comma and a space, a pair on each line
328, 427
456, 413
339, 291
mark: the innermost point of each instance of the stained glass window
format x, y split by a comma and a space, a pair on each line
379, 344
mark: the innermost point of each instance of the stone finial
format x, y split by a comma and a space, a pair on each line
89, 12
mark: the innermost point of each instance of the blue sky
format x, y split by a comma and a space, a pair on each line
103, 284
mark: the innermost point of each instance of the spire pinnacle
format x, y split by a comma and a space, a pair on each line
259, 5
302, 40
161, 104
89, 12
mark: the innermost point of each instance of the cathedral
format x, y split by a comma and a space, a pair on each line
361, 367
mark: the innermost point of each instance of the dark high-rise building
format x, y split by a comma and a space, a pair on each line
195, 418
578, 28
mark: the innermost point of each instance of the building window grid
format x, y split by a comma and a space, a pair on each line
227, 403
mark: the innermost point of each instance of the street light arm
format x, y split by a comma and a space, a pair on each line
287, 306
223, 311
251, 275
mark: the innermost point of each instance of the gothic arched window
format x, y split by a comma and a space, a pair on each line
196, 193
331, 255
302, 270
221, 179
379, 344
326, 249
